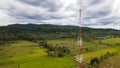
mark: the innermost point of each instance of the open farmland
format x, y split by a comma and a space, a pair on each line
24, 54
111, 62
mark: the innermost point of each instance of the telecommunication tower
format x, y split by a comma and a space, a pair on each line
79, 56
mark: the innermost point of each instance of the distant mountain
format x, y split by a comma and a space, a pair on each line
48, 31
50, 25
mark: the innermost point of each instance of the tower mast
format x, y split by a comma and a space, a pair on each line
79, 57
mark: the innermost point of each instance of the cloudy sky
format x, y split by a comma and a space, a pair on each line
95, 13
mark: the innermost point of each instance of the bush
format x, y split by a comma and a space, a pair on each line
94, 60
117, 43
60, 54
51, 53
43, 43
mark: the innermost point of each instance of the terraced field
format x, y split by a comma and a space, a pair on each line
98, 53
110, 45
24, 54
111, 62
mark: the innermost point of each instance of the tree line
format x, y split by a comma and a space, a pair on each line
54, 51
32, 32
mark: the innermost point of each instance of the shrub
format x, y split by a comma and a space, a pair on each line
94, 60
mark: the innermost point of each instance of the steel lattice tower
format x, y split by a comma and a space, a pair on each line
79, 56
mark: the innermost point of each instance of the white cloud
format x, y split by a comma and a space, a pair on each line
96, 13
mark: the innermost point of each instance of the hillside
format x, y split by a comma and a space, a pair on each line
34, 32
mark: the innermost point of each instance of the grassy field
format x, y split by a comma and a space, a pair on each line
98, 53
49, 62
111, 41
113, 62
110, 45
25, 54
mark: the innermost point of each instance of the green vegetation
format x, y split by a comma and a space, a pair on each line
54, 51
47, 62
24, 54
53, 46
34, 32
111, 62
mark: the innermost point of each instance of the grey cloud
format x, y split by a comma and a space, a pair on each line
87, 3
35, 16
95, 12
107, 21
51, 5
94, 2
31, 14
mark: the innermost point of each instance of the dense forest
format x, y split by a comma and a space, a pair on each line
34, 32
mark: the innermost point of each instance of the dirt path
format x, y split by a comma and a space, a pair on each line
111, 62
